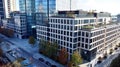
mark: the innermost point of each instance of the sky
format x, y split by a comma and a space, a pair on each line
111, 6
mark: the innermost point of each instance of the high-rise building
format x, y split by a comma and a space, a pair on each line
44, 8
10, 6
28, 7
1, 9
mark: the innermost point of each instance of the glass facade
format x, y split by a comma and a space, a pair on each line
1, 9
37, 11
44, 8
28, 7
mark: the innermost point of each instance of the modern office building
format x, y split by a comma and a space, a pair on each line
10, 6
17, 23
89, 33
28, 7
45, 9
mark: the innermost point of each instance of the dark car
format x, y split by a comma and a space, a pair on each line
41, 59
53, 66
48, 63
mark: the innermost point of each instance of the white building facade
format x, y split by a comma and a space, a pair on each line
89, 35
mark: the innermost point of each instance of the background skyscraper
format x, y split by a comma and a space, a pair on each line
10, 6
28, 7
45, 8
1, 9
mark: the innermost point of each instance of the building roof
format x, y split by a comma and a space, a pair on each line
80, 14
99, 26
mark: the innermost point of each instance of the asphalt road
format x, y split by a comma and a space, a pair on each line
29, 56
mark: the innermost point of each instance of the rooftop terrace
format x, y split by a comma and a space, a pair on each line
98, 26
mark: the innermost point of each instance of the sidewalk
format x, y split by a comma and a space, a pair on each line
23, 43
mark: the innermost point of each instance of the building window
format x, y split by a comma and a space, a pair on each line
79, 39
92, 20
75, 22
71, 28
75, 39
61, 21
61, 26
64, 26
70, 39
90, 40
82, 39
70, 45
75, 28
70, 33
67, 27
78, 44
64, 32
83, 33
67, 21
86, 46
64, 21
61, 32
79, 33
86, 40
100, 20
86, 21
71, 22
74, 46
87, 34
67, 33
82, 45
75, 34
67, 38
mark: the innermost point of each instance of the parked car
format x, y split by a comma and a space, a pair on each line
48, 63
41, 59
